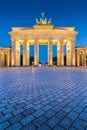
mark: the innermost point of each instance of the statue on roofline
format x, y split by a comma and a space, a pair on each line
49, 22
43, 21
37, 22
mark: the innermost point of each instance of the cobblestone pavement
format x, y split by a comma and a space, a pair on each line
46, 98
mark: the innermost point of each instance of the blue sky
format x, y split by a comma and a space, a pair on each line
23, 13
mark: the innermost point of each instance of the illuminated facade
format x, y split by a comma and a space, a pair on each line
43, 33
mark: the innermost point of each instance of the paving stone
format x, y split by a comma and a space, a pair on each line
78, 109
83, 116
39, 121
80, 124
5, 117
61, 114
4, 125
26, 120
66, 123
43, 98
52, 122
6, 111
49, 114
56, 108
29, 106
16, 118
44, 127
85, 110
38, 113
29, 127
58, 127
28, 111
47, 107
73, 115
67, 109
72, 128
18, 111
1, 115
38, 107
16, 126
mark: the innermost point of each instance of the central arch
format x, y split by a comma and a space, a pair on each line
43, 54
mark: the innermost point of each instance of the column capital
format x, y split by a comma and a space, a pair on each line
25, 39
13, 40
50, 39
72, 40
60, 39
36, 40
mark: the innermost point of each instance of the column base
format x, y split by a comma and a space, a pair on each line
73, 65
25, 66
50, 65
35, 65
68, 65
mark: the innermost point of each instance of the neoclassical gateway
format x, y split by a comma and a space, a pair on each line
43, 33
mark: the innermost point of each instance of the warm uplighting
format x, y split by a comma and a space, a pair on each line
44, 33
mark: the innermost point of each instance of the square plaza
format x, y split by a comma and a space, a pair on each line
43, 98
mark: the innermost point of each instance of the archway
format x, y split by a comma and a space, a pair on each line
65, 55
81, 58
86, 59
5, 59
43, 54
31, 54
54, 54
21, 55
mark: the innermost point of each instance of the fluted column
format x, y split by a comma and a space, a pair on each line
62, 52
3, 57
86, 57
78, 58
83, 58
24, 52
58, 53
73, 59
0, 59
13, 52
50, 59
17, 54
35, 52
69, 54
28, 54
9, 58
26, 61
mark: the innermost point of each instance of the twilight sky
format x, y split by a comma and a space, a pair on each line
23, 13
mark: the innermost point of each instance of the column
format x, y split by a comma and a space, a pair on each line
58, 53
9, 58
73, 60
17, 54
0, 59
50, 59
86, 57
35, 52
26, 61
61, 52
69, 53
78, 58
83, 58
13, 52
3, 62
28, 54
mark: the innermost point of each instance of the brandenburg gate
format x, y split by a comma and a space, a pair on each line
43, 33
